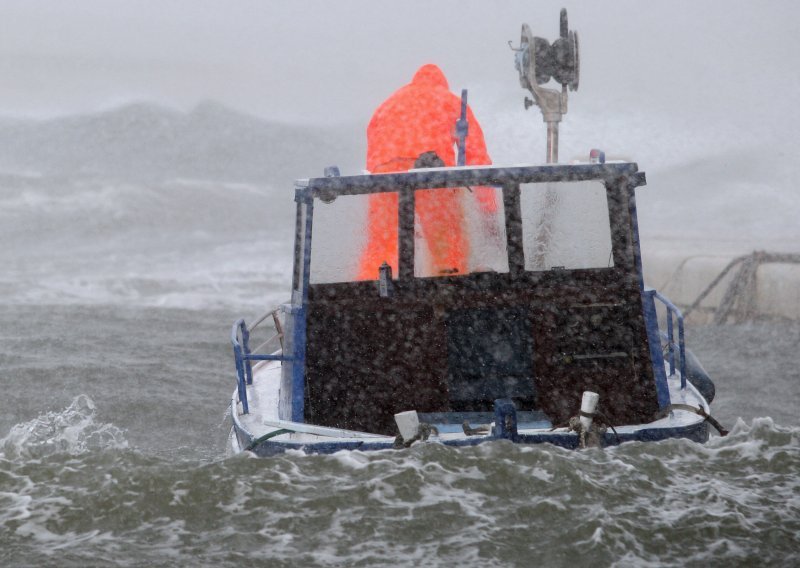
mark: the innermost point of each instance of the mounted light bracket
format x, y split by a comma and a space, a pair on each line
537, 62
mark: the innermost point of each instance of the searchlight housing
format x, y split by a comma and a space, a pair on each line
538, 61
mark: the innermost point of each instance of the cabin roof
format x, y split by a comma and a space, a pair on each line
330, 187
432, 344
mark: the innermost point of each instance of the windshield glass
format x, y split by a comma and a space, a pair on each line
460, 231
565, 225
456, 231
338, 238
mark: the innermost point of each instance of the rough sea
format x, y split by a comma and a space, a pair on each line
116, 301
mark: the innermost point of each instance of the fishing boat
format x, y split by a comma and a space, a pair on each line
550, 335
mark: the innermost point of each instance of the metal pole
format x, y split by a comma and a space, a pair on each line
552, 142
462, 129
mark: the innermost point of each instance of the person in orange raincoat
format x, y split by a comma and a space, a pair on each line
417, 119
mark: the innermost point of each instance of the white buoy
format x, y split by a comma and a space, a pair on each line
408, 423
588, 405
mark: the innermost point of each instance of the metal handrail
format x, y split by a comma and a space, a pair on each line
238, 356
674, 312
278, 327
243, 355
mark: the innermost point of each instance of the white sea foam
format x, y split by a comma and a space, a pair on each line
72, 431
667, 503
15, 505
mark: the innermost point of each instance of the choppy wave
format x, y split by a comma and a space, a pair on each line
215, 276
91, 206
85, 258
732, 502
70, 431
184, 243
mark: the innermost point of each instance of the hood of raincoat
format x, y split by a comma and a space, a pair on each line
430, 75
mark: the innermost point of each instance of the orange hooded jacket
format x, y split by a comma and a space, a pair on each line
421, 117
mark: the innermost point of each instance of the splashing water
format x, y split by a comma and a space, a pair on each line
730, 502
71, 431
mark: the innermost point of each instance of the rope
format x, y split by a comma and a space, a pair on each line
470, 431
607, 422
266, 437
594, 436
423, 433
663, 413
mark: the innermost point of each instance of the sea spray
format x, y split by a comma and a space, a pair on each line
70, 431
732, 501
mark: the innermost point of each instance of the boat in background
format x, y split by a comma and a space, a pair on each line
550, 337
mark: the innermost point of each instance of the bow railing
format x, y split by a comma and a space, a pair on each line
674, 315
243, 355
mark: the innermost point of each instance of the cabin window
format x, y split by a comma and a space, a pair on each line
455, 232
565, 225
459, 231
339, 236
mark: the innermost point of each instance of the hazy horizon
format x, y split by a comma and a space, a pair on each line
701, 95
317, 61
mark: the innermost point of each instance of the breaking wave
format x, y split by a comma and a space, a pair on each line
733, 501
182, 243
71, 431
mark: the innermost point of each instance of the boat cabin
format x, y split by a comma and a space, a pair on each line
552, 303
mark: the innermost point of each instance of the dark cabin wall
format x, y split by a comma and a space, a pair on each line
368, 360
370, 357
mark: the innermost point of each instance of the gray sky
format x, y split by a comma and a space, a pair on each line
324, 60
661, 82
703, 94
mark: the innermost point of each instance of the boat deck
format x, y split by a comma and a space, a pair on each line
262, 422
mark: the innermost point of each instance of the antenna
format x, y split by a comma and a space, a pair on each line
537, 61
462, 129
